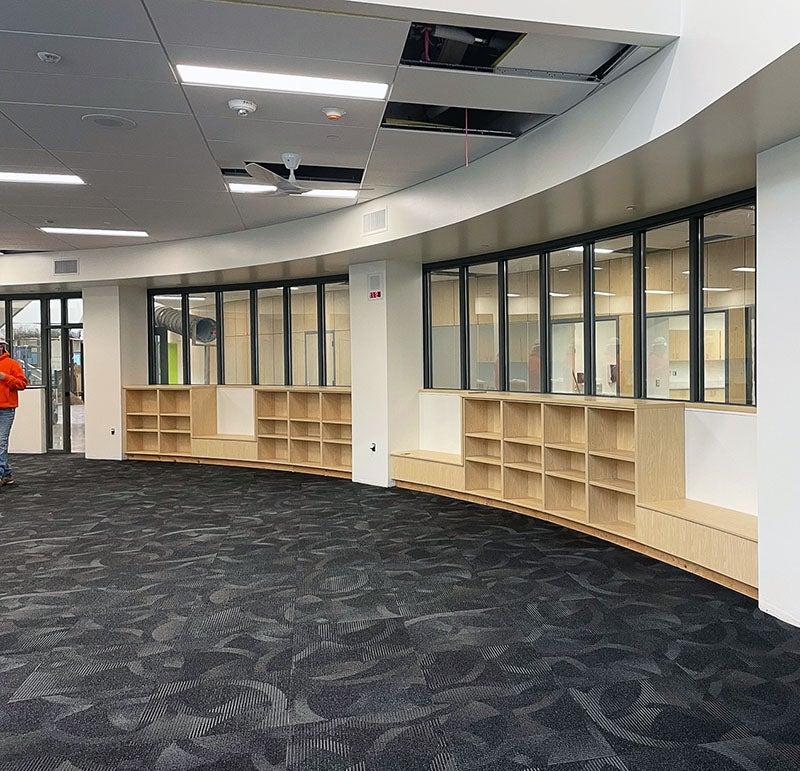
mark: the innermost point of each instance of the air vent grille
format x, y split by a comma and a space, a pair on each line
375, 222
65, 267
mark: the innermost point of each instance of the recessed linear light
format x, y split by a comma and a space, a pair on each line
40, 179
511, 294
597, 250
605, 294
563, 270
744, 269
275, 81
245, 187
330, 194
96, 232
716, 289
658, 291
558, 294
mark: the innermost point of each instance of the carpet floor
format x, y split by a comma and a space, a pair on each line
169, 616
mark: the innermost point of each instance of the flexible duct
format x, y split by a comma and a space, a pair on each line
201, 328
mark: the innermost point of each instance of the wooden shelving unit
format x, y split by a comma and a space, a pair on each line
303, 429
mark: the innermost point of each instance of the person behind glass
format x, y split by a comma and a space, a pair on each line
12, 381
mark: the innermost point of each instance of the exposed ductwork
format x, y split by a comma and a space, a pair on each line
201, 328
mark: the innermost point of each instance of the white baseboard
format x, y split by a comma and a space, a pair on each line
779, 613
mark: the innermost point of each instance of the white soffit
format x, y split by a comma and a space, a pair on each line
487, 91
258, 210
246, 27
559, 54
433, 153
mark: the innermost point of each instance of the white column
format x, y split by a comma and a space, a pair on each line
115, 344
778, 368
386, 349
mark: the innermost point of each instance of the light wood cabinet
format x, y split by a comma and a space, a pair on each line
301, 429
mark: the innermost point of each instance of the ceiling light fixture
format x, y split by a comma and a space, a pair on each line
245, 187
107, 121
658, 291
597, 250
96, 232
716, 289
744, 269
40, 179
275, 81
558, 294
563, 270
316, 193
605, 294
512, 294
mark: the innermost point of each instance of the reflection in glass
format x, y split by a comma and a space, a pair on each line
566, 321
613, 301
236, 328
729, 299
77, 418
75, 310
484, 346
168, 339
56, 390
305, 360
337, 334
445, 333
55, 311
203, 338
524, 362
26, 325
270, 337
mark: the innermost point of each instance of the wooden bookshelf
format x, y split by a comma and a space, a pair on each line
610, 467
296, 429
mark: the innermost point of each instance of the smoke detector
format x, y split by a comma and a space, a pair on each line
242, 107
333, 113
48, 57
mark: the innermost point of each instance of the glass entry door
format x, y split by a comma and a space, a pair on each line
65, 383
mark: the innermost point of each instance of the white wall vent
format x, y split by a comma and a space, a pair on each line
66, 267
375, 222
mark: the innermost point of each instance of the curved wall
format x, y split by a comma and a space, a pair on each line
722, 45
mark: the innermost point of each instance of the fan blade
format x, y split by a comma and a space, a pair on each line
267, 177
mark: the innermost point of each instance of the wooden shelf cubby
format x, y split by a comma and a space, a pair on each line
305, 453
612, 431
272, 404
174, 401
565, 464
337, 456
565, 498
139, 422
483, 479
565, 427
612, 510
482, 419
519, 455
305, 429
522, 487
336, 407
522, 420
141, 442
272, 427
273, 450
338, 431
141, 402
304, 405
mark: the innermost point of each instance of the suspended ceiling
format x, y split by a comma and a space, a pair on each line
163, 176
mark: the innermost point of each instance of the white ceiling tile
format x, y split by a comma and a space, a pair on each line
402, 158
286, 108
284, 63
22, 159
46, 195
103, 242
12, 136
482, 90
122, 19
69, 216
189, 163
258, 211
87, 57
154, 184
92, 93
61, 128
559, 54
234, 141
247, 27
174, 219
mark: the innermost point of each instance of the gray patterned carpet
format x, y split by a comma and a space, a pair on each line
167, 617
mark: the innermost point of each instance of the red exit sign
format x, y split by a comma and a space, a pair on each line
375, 294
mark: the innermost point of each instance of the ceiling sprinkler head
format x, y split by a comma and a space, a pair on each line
48, 57
333, 113
242, 107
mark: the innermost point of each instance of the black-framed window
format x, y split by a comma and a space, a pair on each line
271, 334
660, 308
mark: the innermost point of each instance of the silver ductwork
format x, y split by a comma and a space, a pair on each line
201, 328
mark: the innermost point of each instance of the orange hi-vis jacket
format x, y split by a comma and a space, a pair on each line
14, 382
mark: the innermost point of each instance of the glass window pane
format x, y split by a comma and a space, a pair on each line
729, 299
667, 312
270, 337
55, 312
77, 415
445, 329
337, 334
26, 327
236, 328
3, 328
168, 339
305, 356
484, 346
524, 363
566, 321
613, 302
203, 338
56, 390
75, 310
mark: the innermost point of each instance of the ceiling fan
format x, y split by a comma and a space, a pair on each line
283, 187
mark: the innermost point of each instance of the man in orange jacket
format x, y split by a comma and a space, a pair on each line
12, 381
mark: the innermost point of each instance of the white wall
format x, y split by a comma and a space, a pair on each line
439, 422
115, 345
385, 388
28, 433
778, 369
721, 467
236, 411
